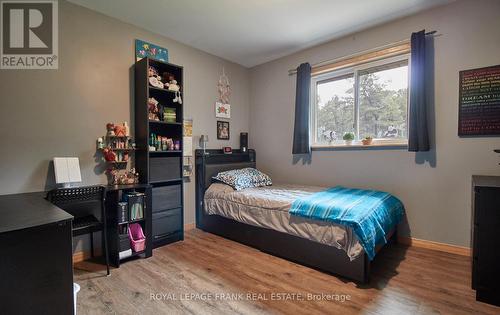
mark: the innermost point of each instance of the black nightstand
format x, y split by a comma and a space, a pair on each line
486, 238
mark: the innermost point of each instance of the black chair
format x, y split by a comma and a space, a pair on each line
83, 203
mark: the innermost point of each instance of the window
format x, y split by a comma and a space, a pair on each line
369, 100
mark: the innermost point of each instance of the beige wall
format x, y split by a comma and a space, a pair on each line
47, 113
437, 197
61, 112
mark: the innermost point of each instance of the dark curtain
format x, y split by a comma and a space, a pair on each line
418, 135
302, 113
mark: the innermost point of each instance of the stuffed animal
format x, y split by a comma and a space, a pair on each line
173, 86
109, 155
177, 98
153, 109
156, 82
167, 77
170, 82
152, 72
154, 79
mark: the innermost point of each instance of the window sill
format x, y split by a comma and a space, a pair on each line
357, 146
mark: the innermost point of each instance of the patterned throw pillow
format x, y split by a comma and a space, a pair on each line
244, 178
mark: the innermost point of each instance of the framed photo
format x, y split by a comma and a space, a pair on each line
222, 110
222, 130
144, 49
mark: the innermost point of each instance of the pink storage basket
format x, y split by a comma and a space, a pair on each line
137, 238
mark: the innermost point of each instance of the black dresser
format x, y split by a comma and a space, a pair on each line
486, 238
36, 272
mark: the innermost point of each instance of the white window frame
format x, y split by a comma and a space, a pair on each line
354, 71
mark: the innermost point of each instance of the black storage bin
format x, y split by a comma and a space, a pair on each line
124, 242
164, 168
166, 223
167, 197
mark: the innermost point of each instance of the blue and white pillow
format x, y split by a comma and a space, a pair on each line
244, 178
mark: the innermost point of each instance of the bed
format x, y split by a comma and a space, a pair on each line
260, 218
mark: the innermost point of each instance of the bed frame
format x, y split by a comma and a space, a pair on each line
299, 250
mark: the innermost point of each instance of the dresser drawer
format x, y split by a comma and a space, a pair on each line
167, 197
164, 168
166, 223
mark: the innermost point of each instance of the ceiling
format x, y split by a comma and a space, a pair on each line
251, 32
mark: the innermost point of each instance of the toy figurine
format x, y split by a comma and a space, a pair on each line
120, 131
109, 155
110, 127
127, 129
158, 143
100, 143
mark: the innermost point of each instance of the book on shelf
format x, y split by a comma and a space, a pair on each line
135, 201
122, 212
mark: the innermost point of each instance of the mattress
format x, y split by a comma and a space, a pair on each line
268, 207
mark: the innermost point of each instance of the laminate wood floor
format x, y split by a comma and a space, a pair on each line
207, 274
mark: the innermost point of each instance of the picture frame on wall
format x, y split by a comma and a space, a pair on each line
144, 49
222, 130
222, 110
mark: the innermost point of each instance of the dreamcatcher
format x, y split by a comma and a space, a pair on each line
224, 88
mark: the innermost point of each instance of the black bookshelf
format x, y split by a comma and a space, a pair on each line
162, 169
116, 227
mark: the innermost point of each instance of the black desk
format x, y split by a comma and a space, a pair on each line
36, 272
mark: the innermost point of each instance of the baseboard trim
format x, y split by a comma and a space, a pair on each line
408, 241
442, 247
189, 226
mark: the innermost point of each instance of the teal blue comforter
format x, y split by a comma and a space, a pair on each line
371, 214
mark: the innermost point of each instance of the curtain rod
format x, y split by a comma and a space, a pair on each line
322, 63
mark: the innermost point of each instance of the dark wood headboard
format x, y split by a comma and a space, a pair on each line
210, 164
